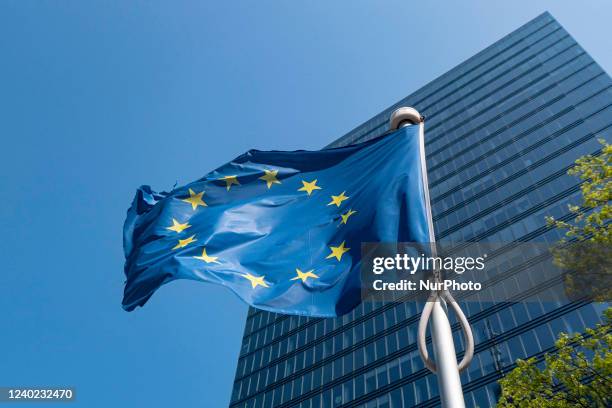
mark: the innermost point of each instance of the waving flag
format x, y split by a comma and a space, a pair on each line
282, 230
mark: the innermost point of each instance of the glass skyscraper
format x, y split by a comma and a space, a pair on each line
501, 130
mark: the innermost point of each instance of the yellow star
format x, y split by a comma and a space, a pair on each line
229, 180
309, 186
195, 199
184, 242
337, 251
270, 177
346, 216
304, 275
255, 280
337, 200
177, 226
206, 258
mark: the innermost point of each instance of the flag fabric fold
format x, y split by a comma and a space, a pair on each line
282, 230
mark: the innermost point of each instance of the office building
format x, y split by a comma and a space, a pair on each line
502, 128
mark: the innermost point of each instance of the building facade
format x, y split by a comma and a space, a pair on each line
502, 128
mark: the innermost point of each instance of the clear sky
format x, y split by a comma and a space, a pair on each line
98, 97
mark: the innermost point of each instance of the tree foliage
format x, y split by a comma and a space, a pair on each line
585, 252
592, 220
578, 375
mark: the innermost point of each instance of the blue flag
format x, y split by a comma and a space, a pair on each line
282, 230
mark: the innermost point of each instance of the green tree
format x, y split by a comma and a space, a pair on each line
585, 252
592, 222
579, 373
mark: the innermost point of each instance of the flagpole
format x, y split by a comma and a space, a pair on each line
445, 367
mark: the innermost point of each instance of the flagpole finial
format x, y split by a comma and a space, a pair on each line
404, 116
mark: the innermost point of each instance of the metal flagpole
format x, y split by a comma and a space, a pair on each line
446, 367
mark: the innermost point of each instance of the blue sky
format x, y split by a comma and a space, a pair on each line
98, 97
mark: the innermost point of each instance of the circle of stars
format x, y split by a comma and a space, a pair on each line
270, 177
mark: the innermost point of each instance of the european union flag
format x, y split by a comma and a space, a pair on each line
282, 230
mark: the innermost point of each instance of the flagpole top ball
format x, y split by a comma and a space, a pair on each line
404, 116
